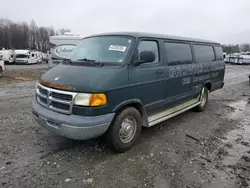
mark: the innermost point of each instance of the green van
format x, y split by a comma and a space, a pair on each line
113, 84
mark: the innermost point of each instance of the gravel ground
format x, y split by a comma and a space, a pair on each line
209, 149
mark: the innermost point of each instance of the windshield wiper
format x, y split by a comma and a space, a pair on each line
67, 61
92, 61
87, 60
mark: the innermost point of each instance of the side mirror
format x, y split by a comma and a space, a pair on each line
146, 57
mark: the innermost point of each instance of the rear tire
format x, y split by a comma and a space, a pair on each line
204, 100
125, 130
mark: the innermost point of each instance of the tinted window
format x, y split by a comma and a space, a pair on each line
178, 53
149, 46
219, 53
204, 53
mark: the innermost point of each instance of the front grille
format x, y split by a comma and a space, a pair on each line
42, 100
43, 91
56, 100
60, 105
61, 96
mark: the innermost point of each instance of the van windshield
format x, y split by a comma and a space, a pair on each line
102, 49
22, 56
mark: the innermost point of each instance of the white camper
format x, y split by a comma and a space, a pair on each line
232, 58
39, 57
26, 57
2, 65
8, 56
224, 56
61, 47
243, 58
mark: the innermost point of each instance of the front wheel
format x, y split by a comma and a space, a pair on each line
125, 131
203, 100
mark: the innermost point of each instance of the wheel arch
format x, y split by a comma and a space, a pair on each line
208, 85
137, 104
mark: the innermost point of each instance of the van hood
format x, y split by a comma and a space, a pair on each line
85, 78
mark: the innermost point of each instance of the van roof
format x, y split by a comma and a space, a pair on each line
66, 37
154, 35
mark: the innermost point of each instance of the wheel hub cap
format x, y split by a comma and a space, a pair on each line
203, 98
128, 129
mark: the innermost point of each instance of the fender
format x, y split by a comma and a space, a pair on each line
208, 82
139, 104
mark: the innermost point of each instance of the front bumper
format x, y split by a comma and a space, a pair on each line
71, 126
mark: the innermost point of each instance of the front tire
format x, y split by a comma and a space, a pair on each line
125, 130
204, 100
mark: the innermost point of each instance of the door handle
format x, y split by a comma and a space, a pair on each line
159, 71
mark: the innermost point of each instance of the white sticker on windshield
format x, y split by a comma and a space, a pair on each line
117, 48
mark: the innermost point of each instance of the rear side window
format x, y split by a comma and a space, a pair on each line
149, 46
178, 53
204, 53
219, 53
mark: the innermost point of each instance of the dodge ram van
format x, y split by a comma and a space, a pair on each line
113, 84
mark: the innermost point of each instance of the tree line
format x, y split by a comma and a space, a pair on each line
236, 48
21, 35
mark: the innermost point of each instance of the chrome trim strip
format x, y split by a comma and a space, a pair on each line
176, 110
60, 101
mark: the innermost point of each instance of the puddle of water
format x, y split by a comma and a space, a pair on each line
234, 138
239, 107
4, 92
242, 133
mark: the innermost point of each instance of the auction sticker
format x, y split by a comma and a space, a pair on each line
117, 48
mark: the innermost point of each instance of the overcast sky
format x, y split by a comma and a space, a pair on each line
225, 21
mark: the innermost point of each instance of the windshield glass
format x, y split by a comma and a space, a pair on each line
102, 49
21, 56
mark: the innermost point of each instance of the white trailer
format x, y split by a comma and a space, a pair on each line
2, 66
39, 57
244, 58
61, 47
26, 57
8, 56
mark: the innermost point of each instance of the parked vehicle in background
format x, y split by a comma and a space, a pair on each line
227, 58
224, 56
8, 56
26, 57
243, 58
45, 57
61, 47
39, 57
2, 67
115, 83
231, 58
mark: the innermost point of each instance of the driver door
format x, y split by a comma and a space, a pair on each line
146, 80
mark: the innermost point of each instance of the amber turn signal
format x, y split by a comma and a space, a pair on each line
98, 100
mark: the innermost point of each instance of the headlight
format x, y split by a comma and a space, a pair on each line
86, 99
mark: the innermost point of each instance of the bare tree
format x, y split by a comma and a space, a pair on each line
24, 36
62, 31
245, 47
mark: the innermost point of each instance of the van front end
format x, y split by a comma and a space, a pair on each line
54, 110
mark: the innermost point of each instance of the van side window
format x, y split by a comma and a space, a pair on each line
149, 46
204, 53
219, 53
178, 53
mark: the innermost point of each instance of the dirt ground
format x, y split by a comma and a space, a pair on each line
193, 150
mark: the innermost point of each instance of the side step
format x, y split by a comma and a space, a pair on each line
163, 116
